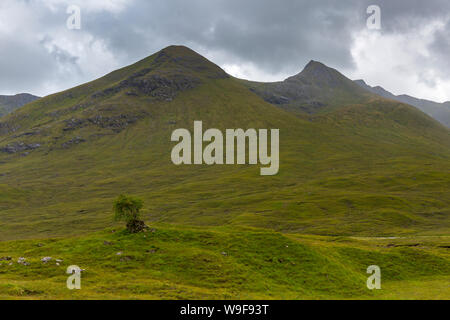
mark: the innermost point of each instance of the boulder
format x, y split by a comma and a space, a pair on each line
46, 259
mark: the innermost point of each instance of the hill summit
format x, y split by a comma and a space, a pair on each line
317, 88
319, 74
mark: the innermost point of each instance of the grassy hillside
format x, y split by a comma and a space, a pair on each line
375, 169
368, 168
439, 111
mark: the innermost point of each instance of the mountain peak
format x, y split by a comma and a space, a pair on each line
179, 56
318, 68
361, 82
160, 76
178, 51
315, 65
318, 74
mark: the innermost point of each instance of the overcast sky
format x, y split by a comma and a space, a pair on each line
253, 39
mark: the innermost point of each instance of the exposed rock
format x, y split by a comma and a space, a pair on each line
28, 134
6, 258
59, 113
161, 86
153, 250
126, 258
115, 123
46, 259
132, 93
73, 124
19, 147
22, 261
277, 99
136, 226
73, 141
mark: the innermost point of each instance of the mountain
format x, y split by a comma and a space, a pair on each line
10, 103
371, 167
363, 180
316, 89
439, 111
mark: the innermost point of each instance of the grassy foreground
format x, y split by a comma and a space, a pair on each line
220, 263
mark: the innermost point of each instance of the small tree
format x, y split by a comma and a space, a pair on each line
127, 208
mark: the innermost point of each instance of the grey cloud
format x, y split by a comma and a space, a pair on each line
23, 65
274, 35
277, 36
441, 50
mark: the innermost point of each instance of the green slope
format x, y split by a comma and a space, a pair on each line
439, 111
380, 168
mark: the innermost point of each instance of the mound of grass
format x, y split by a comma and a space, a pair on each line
218, 263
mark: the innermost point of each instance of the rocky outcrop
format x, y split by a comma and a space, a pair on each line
136, 226
158, 86
75, 108
115, 123
19, 147
7, 127
73, 141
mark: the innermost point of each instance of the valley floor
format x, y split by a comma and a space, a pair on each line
171, 262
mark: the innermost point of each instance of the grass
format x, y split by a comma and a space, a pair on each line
220, 263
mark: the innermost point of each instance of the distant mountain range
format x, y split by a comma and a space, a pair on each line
439, 111
319, 89
10, 103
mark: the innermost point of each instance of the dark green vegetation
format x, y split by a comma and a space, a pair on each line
439, 111
358, 165
10, 103
127, 208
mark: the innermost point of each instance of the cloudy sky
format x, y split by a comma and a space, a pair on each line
254, 39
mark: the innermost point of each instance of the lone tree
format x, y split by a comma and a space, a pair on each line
126, 208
